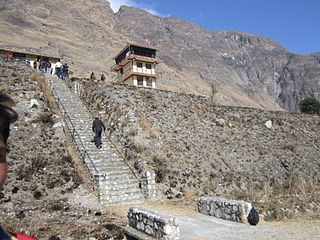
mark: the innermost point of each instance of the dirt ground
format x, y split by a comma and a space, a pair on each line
298, 229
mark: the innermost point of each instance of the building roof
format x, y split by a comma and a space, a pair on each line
134, 44
28, 52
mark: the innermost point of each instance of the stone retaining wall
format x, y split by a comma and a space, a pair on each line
152, 223
232, 210
197, 147
148, 184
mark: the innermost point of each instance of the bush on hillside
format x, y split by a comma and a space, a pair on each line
310, 105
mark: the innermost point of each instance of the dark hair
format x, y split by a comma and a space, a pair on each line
7, 116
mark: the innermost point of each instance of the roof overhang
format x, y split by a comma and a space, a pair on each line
133, 44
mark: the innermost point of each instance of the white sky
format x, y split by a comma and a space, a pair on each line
116, 4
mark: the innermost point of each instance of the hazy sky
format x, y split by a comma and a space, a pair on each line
295, 24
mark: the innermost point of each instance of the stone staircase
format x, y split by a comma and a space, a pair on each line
114, 181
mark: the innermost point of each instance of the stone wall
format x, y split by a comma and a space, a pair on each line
152, 223
148, 184
197, 147
236, 211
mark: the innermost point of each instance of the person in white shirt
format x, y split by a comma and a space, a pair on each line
58, 69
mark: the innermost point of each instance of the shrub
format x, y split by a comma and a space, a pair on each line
161, 165
310, 105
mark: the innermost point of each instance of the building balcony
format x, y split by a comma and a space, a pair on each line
132, 57
123, 77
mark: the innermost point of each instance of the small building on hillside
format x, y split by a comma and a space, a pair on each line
30, 57
136, 65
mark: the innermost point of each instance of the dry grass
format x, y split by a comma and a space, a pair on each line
296, 198
160, 163
132, 131
154, 133
143, 122
139, 144
46, 90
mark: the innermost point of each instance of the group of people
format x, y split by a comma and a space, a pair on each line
93, 77
62, 70
44, 66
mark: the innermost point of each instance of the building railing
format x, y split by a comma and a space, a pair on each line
116, 66
130, 73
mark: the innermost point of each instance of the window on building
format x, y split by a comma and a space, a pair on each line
148, 66
149, 82
139, 64
140, 80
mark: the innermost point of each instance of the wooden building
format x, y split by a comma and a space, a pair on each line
136, 65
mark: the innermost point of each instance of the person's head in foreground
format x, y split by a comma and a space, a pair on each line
7, 116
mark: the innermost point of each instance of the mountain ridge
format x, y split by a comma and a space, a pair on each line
245, 69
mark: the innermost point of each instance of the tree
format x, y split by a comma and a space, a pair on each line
310, 105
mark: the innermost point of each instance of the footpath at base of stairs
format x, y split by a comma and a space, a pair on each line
119, 185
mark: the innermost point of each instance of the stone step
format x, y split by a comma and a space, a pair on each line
115, 177
121, 186
111, 168
79, 122
104, 160
123, 192
126, 182
103, 152
123, 201
108, 163
107, 158
123, 197
110, 171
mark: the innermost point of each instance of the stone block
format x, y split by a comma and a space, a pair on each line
226, 209
153, 223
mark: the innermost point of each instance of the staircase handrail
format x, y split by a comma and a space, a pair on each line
109, 138
74, 132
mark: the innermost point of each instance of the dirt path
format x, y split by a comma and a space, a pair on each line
195, 226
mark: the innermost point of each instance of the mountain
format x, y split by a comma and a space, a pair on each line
245, 69
241, 65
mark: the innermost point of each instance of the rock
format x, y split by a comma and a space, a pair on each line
54, 237
221, 122
268, 124
58, 125
34, 103
253, 217
138, 165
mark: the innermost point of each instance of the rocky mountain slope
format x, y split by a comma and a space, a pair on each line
242, 66
196, 147
48, 194
246, 70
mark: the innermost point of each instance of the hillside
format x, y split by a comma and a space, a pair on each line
195, 147
198, 148
247, 70
48, 194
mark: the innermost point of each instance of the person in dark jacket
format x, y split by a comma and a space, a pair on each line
65, 70
92, 76
97, 126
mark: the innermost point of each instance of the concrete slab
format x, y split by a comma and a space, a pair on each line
202, 227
